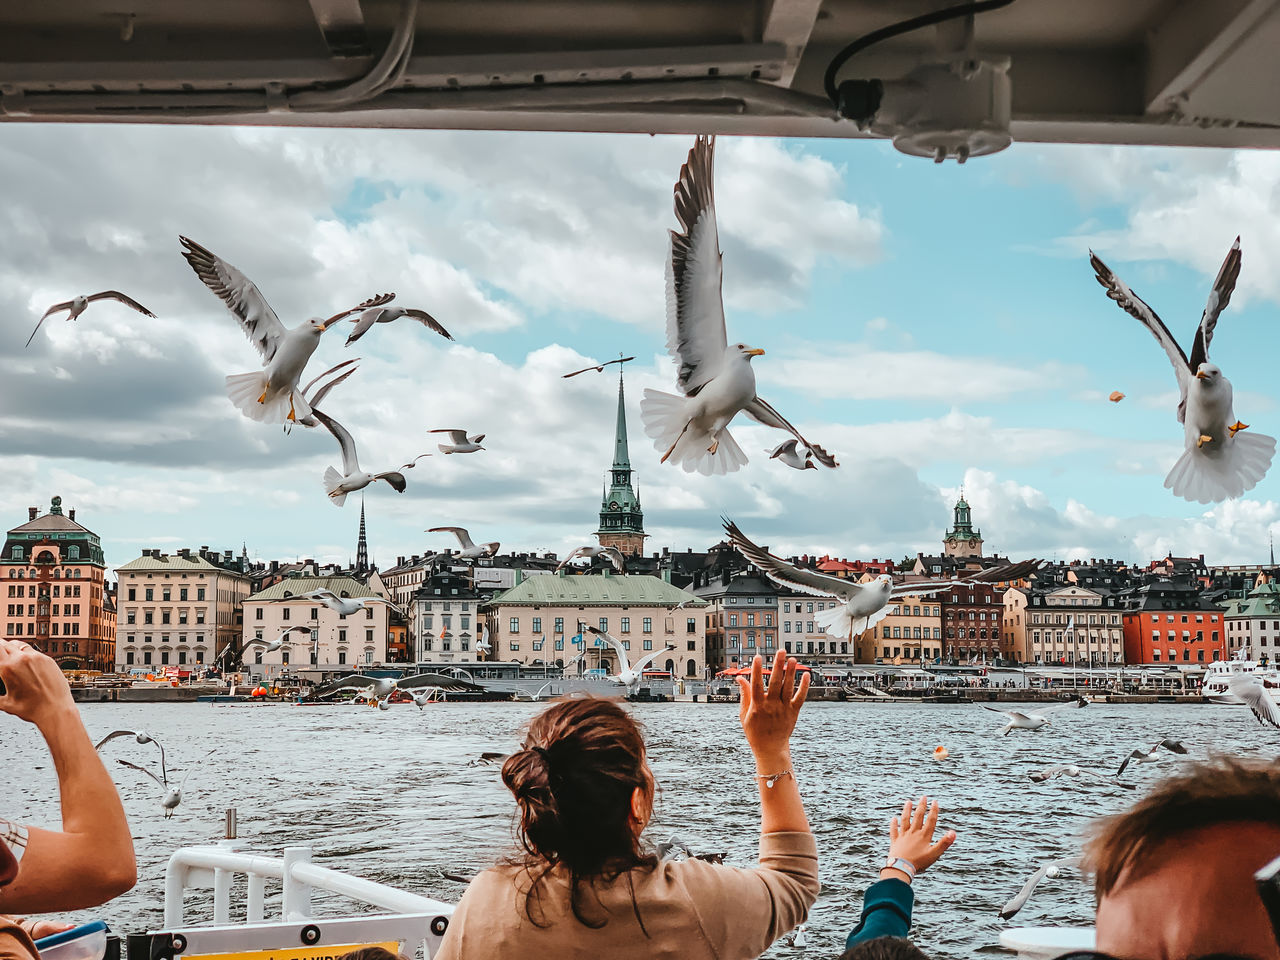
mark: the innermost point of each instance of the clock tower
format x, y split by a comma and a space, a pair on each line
962, 540
621, 519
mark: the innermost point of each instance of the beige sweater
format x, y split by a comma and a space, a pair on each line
690, 909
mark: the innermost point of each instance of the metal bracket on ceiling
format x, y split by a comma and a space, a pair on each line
277, 97
13, 102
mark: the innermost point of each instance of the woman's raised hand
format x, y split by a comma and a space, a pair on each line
769, 716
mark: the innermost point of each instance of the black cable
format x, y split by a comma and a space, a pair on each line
893, 30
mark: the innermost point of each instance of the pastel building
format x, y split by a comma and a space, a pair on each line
1067, 624
1168, 622
1252, 623
53, 580
801, 636
911, 633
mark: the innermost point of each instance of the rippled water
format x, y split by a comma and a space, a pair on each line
386, 795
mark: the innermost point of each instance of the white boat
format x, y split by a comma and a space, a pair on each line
1217, 678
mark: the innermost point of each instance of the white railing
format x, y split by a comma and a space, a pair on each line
216, 867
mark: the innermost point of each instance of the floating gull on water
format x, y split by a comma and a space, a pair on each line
1218, 462
715, 376
386, 314
1152, 753
590, 551
862, 605
172, 795
1071, 770
598, 368
77, 305
269, 395
1256, 697
627, 675
459, 442
1033, 719
793, 455
352, 478
1050, 869
469, 550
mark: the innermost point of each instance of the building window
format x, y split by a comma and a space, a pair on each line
733, 619
537, 625
691, 625
560, 626
342, 657
625, 625
514, 625
647, 626
199, 593
604, 624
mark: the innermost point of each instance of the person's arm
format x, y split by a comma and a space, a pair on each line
91, 860
886, 906
768, 719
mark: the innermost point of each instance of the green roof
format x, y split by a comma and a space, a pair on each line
298, 586
1261, 602
549, 590
173, 563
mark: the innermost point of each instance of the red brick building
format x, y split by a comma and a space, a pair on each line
971, 621
1168, 622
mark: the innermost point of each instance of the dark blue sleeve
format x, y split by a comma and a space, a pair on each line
886, 912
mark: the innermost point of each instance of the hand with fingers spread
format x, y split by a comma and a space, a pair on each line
768, 718
911, 840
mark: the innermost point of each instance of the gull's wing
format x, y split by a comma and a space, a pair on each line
395, 479
1101, 778
122, 298
461, 533
1257, 698
191, 769
241, 296
646, 660
455, 435
616, 558
1064, 705
54, 309
375, 301
1223, 286
623, 659
294, 629
323, 392
1007, 571
1133, 755
322, 593
1048, 773
363, 323
350, 463
355, 681
779, 571
414, 462
113, 735
1173, 746
573, 554
1007, 713
439, 680
1019, 900
761, 412
784, 446
598, 367
430, 322
695, 313
149, 773
1132, 304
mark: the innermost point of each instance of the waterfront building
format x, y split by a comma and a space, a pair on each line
621, 519
334, 644
1168, 621
1063, 624
910, 633
53, 578
178, 610
972, 621
741, 619
537, 622
802, 637
1252, 622
445, 618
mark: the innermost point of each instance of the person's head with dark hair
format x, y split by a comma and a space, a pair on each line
372, 953
884, 948
585, 794
1173, 875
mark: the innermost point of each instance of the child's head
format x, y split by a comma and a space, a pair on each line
884, 948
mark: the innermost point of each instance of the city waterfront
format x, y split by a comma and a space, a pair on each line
388, 794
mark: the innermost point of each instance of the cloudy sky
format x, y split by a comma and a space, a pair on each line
933, 326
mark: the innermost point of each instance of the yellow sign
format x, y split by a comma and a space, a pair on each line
331, 952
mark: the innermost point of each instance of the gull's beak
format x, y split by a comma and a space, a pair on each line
755, 352
1201, 375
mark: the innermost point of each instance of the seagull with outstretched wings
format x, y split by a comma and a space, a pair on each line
77, 305
1152, 753
338, 485
469, 549
627, 675
1256, 697
1050, 869
1034, 719
862, 605
382, 314
591, 551
459, 441
1219, 461
714, 376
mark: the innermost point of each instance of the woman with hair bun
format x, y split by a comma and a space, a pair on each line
586, 885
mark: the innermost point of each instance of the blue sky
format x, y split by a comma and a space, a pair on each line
932, 325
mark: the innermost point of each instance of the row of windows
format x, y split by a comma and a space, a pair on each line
751, 618
1186, 656
821, 646
148, 616
735, 640
164, 638
911, 652
166, 593
21, 591
19, 552
624, 624
1094, 618
1186, 636
286, 613
1070, 637
980, 615
911, 633
446, 622
59, 610
57, 574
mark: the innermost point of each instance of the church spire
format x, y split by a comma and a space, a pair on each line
621, 455
362, 545
621, 519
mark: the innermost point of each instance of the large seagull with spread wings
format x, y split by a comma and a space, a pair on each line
714, 375
862, 605
1219, 462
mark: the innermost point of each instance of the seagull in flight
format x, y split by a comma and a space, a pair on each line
314, 398
1072, 770
269, 395
714, 376
1256, 697
77, 305
1152, 753
172, 795
380, 688
862, 605
469, 550
271, 646
598, 368
627, 675
382, 314
1033, 719
140, 736
1218, 461
352, 478
459, 442
414, 462
1050, 869
793, 455
344, 606
591, 551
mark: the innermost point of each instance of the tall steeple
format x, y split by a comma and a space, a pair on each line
962, 540
621, 519
362, 545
